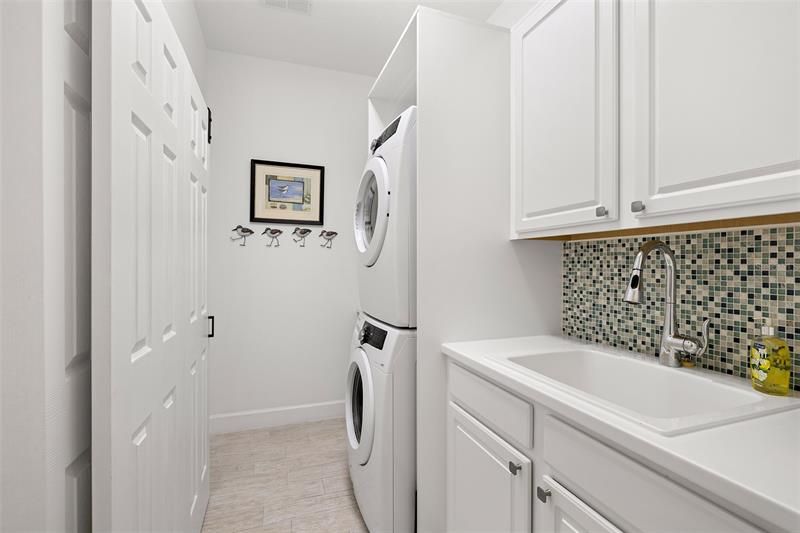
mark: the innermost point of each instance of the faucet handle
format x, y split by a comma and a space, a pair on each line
704, 337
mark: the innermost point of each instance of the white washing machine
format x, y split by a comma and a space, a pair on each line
381, 424
385, 225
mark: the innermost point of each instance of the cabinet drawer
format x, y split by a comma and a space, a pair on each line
492, 405
641, 497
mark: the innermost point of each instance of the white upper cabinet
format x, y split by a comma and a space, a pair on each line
717, 104
653, 112
564, 115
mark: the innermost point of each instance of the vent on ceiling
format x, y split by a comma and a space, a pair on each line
295, 6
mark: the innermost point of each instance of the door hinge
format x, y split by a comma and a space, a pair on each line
209, 125
210, 326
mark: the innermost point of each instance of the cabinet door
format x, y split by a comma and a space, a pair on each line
717, 110
566, 513
564, 116
488, 481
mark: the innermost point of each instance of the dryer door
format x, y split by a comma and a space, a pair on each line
372, 210
360, 407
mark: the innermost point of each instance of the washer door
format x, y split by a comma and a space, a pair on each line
372, 210
360, 407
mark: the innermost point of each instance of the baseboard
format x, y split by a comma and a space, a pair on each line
277, 416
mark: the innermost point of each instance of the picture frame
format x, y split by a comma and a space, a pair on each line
287, 193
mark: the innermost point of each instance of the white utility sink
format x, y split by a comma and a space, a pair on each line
667, 400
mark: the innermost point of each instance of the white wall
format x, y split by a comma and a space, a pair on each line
284, 316
473, 283
184, 18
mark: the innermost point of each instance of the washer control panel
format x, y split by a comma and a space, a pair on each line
372, 335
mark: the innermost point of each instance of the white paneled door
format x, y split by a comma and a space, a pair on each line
149, 310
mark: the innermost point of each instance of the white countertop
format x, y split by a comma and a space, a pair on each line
752, 464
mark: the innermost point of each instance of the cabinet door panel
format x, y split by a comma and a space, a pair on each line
568, 514
482, 492
564, 115
717, 106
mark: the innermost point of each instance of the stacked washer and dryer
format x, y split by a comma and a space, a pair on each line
381, 379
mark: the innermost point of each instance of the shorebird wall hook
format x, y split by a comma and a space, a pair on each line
242, 234
299, 235
327, 237
273, 235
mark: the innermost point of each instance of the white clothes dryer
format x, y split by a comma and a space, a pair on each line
385, 225
381, 424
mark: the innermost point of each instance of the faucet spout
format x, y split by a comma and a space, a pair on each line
672, 343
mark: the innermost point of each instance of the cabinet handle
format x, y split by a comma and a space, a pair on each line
601, 211
543, 494
637, 206
514, 468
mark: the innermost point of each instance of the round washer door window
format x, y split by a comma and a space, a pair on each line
360, 407
372, 210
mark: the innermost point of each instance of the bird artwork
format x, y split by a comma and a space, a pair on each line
242, 234
300, 234
273, 234
327, 237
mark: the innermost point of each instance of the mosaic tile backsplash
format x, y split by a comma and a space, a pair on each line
737, 278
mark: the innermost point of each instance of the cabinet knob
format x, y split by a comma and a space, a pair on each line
601, 211
543, 494
637, 206
514, 468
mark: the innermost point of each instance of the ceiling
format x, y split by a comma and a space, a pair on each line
348, 35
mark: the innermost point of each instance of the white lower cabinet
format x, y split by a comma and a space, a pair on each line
582, 485
488, 480
639, 498
566, 513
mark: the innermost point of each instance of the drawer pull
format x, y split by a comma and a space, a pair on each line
601, 211
543, 494
514, 468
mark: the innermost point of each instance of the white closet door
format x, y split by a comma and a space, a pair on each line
149, 207
46, 144
717, 87
193, 193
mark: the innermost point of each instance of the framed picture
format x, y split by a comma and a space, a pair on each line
286, 193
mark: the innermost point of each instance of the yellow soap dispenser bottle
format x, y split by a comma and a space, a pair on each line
770, 363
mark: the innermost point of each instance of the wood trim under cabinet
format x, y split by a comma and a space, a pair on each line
727, 223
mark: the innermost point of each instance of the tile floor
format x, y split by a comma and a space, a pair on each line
282, 480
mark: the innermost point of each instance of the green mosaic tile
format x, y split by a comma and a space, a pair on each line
737, 278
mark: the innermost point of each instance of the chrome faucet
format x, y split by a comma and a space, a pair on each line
673, 344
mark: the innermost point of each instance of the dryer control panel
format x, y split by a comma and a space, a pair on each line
385, 135
372, 335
